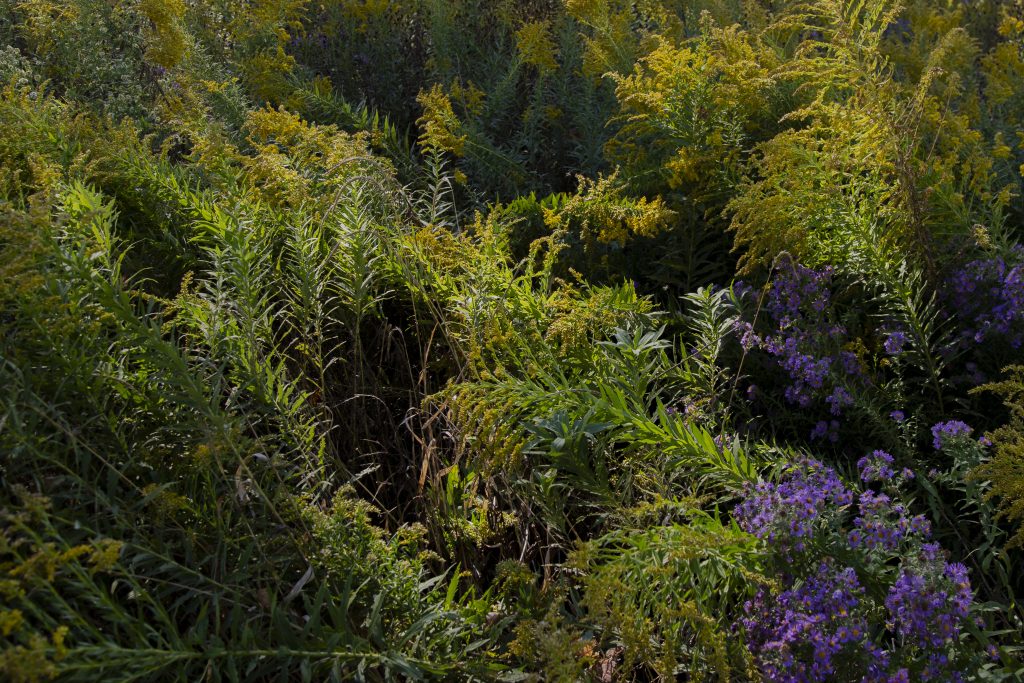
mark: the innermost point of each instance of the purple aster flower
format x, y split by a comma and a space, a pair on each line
895, 342
802, 338
849, 362
826, 430
988, 295
800, 634
947, 430
930, 611
787, 513
824, 621
876, 467
839, 398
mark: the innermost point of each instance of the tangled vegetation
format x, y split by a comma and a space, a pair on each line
520, 340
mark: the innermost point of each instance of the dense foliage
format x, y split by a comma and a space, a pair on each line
568, 340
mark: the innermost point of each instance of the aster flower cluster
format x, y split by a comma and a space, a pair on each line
928, 611
803, 340
786, 514
884, 524
878, 467
826, 429
943, 431
801, 633
894, 342
825, 621
988, 294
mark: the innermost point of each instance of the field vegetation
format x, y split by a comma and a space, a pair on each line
511, 340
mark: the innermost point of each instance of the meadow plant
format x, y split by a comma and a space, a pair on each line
864, 593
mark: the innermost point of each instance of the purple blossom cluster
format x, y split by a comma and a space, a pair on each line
826, 429
894, 342
808, 373
805, 342
800, 633
929, 611
884, 524
943, 431
881, 522
826, 621
798, 289
988, 294
839, 398
786, 514
878, 467
974, 373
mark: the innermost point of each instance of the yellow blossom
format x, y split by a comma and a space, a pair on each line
536, 46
